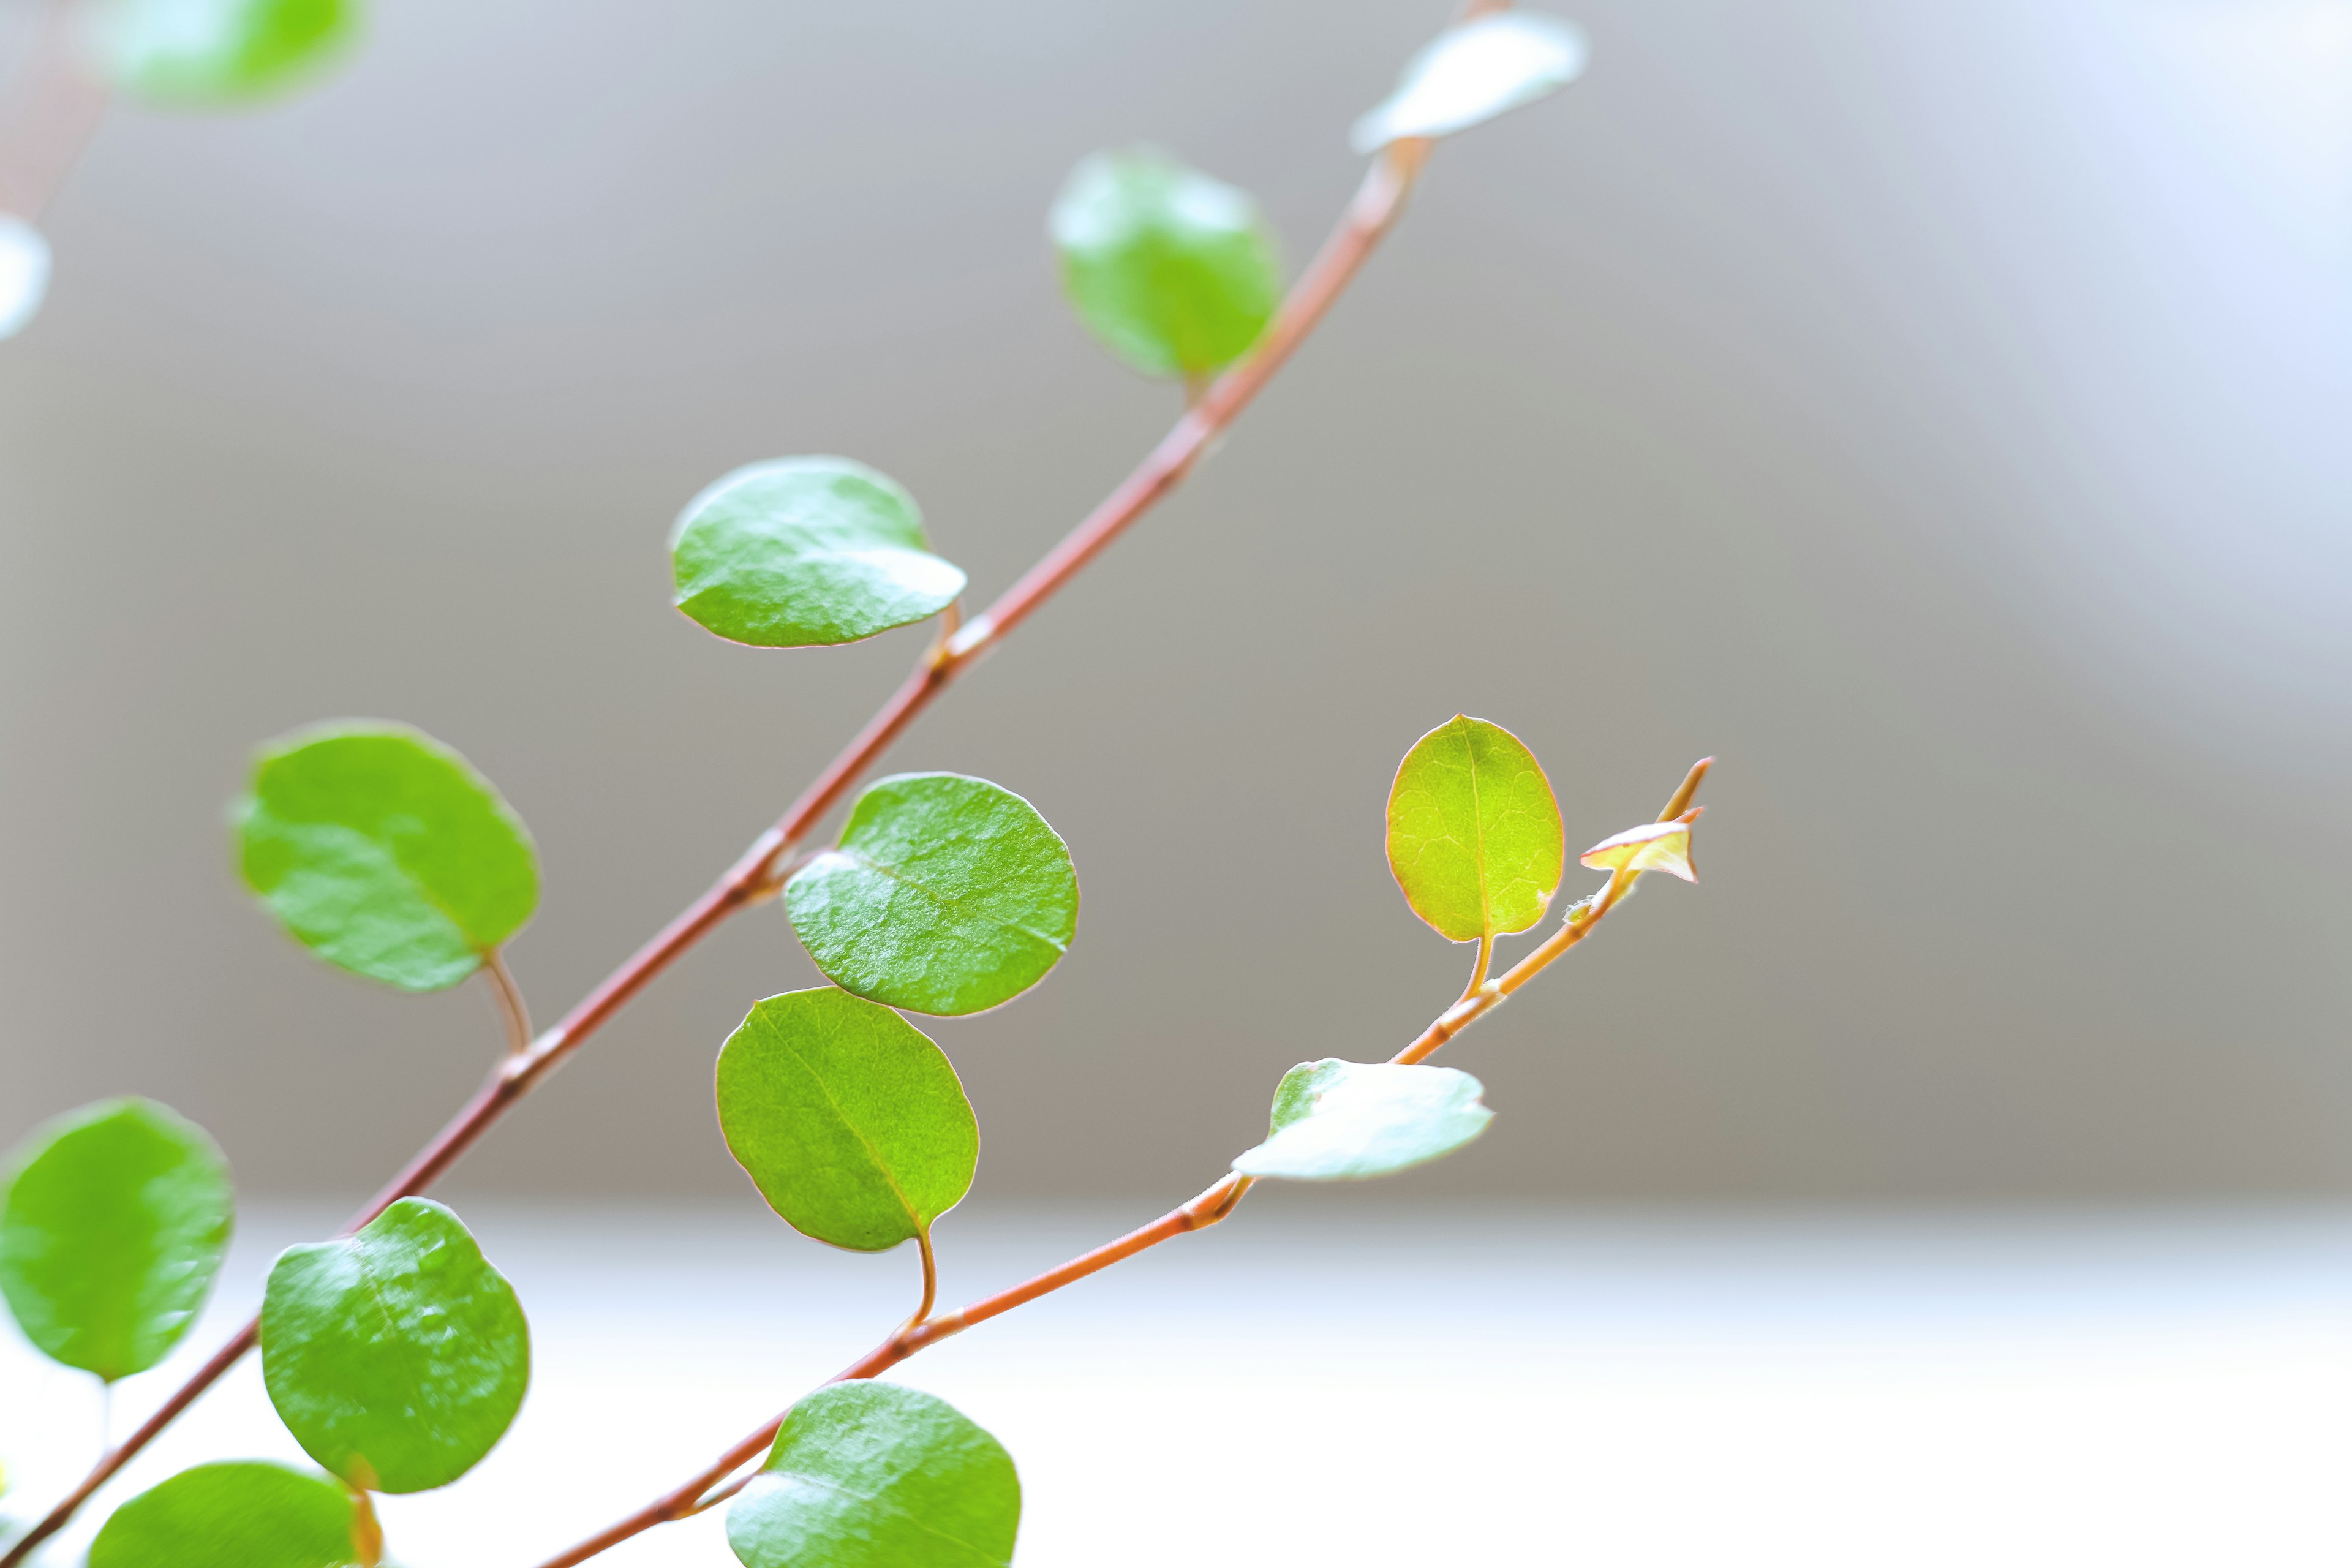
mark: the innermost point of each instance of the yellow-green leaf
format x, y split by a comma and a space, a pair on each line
1474, 838
1653, 847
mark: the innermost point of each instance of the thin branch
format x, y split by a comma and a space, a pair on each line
513, 1011
712, 1486
1377, 204
61, 105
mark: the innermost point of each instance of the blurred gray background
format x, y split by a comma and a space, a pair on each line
1937, 412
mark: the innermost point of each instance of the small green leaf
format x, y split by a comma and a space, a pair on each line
849, 1120
948, 895
1653, 847
383, 851
1174, 271
873, 1475
215, 54
113, 1227
397, 1356
1474, 72
804, 551
1343, 1121
245, 1514
1474, 838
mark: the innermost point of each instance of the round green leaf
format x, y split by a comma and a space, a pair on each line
948, 895
872, 1474
383, 851
807, 550
246, 1514
1173, 270
1343, 1121
113, 1227
397, 1356
851, 1124
213, 53
1474, 72
1473, 832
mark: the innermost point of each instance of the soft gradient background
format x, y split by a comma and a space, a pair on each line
1937, 412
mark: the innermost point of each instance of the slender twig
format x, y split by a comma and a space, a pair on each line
712, 1485
1378, 203
513, 1011
61, 105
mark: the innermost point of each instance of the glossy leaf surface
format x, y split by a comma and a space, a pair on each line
948, 895
1653, 847
1474, 838
23, 274
804, 552
1173, 270
397, 1356
1344, 1122
874, 1475
245, 1514
1474, 72
213, 53
383, 851
849, 1120
115, 1223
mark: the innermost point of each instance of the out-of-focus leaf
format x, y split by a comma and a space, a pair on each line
244, 1514
804, 551
948, 895
114, 1225
1474, 838
216, 54
383, 851
1173, 270
851, 1122
397, 1356
1474, 72
23, 274
1653, 847
872, 1474
1343, 1121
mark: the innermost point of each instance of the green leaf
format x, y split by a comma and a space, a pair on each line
873, 1475
397, 1356
807, 550
1474, 838
1343, 1121
383, 851
245, 1514
1474, 72
1174, 271
215, 54
849, 1120
948, 895
113, 1227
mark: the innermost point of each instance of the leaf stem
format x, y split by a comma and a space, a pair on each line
930, 1278
512, 1009
1478, 970
712, 1486
1379, 202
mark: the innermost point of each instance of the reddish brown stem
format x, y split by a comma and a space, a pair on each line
1377, 205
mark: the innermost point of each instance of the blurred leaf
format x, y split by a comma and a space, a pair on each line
1473, 832
1174, 271
245, 1514
113, 1227
872, 1474
216, 54
397, 1356
807, 550
1653, 847
948, 895
1474, 72
1343, 1121
851, 1124
383, 851
23, 274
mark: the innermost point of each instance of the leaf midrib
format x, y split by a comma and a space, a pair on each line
874, 1155
877, 1500
956, 906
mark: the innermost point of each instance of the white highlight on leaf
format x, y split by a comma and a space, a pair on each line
24, 273
1474, 72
